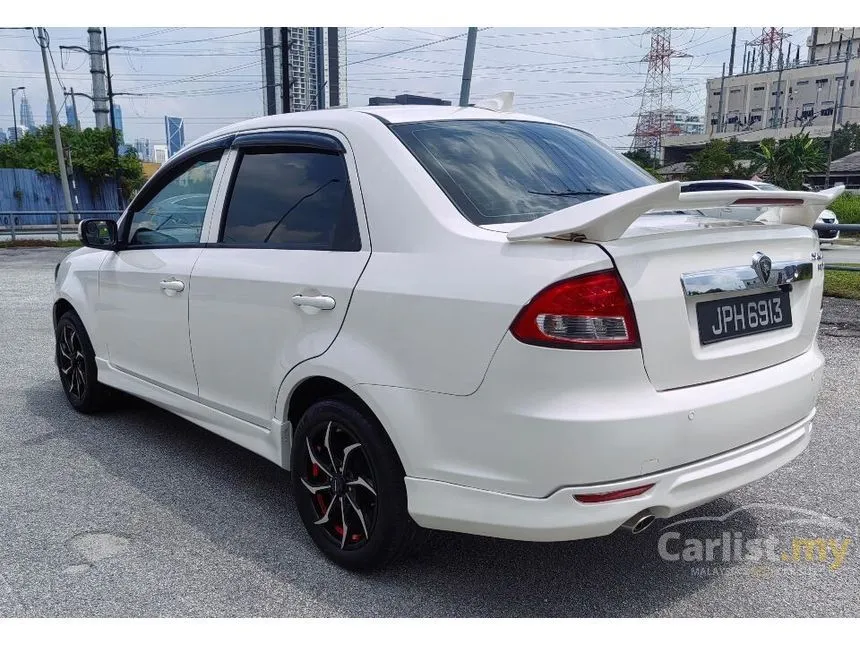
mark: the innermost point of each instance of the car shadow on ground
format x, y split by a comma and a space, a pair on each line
243, 504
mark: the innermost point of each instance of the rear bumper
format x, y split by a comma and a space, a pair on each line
544, 419
559, 517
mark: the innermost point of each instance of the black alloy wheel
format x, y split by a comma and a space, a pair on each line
76, 363
348, 486
71, 362
339, 477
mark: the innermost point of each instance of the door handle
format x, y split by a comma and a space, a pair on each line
172, 285
318, 302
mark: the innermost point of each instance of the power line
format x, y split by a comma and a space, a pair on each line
409, 49
201, 40
150, 33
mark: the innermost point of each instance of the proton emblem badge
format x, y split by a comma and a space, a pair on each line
761, 264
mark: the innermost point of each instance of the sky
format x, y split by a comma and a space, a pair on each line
590, 78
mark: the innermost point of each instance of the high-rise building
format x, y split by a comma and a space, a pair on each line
117, 119
308, 62
3, 137
25, 114
174, 134
144, 149
71, 115
21, 132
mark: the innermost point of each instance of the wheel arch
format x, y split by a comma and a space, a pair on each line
62, 306
312, 387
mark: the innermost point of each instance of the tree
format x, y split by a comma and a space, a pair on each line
91, 152
644, 160
846, 140
718, 160
787, 162
640, 157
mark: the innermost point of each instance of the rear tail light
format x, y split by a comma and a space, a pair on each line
591, 311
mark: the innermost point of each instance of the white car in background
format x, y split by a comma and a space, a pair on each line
454, 318
750, 213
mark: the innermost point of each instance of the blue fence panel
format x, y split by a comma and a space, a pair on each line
24, 190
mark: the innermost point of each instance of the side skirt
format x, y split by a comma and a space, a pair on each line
271, 443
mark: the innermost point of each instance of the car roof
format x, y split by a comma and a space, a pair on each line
360, 117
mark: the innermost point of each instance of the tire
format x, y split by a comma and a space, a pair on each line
355, 509
76, 364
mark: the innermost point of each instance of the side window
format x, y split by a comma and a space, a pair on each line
291, 198
174, 215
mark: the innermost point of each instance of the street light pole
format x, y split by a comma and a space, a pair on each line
14, 116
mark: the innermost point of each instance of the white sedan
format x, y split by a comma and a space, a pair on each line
826, 217
453, 318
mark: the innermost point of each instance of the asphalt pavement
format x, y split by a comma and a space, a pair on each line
841, 253
139, 513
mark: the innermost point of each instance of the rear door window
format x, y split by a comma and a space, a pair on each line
291, 198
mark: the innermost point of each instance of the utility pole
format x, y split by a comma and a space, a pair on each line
732, 54
112, 123
333, 67
836, 111
720, 109
286, 81
468, 62
100, 109
58, 142
776, 116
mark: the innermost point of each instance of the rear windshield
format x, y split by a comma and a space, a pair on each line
516, 171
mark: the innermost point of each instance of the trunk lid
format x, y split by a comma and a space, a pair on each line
655, 253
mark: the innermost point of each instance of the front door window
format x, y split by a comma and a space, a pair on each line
174, 215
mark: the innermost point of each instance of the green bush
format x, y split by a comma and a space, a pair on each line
847, 208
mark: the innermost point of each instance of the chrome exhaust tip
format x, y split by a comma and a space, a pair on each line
639, 522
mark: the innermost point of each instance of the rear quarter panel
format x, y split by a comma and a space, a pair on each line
438, 293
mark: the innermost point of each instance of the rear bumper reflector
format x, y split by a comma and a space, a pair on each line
596, 498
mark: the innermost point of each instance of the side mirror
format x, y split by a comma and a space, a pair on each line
98, 233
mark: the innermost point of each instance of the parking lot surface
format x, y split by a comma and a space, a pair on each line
139, 513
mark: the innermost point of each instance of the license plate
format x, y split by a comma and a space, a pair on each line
742, 316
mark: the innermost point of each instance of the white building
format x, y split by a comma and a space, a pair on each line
828, 44
683, 123
792, 98
159, 153
781, 103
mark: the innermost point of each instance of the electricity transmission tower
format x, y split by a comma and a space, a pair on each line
768, 44
656, 112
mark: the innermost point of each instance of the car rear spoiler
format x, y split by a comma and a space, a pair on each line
606, 218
